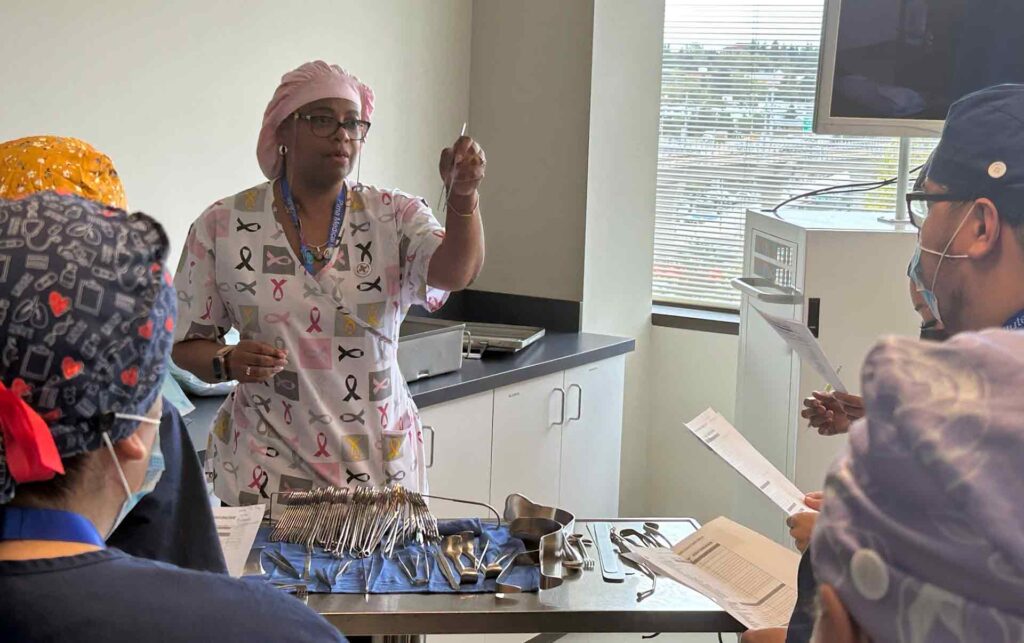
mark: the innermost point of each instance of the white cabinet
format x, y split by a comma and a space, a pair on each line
765, 410
528, 418
556, 439
819, 268
592, 439
457, 441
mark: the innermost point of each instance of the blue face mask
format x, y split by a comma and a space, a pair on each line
916, 272
154, 471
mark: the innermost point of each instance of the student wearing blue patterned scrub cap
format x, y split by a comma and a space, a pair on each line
174, 523
87, 315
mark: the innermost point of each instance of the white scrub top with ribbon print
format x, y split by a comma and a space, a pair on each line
340, 413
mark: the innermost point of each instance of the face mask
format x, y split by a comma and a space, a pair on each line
916, 272
154, 470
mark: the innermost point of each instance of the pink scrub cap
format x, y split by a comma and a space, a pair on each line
310, 82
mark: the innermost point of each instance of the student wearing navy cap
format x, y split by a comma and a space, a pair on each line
969, 265
970, 215
87, 317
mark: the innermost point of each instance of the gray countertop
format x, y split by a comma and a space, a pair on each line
554, 352
584, 603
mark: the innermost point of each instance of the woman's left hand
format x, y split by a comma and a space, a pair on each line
463, 166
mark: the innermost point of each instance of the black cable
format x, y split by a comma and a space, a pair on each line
837, 189
720, 638
845, 190
467, 502
842, 189
834, 189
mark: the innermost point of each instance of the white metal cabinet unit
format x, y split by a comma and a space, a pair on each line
844, 274
592, 439
556, 439
457, 442
528, 421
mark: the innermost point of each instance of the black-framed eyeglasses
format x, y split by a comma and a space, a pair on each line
326, 126
919, 202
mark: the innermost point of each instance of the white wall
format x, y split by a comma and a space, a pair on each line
529, 107
690, 371
175, 91
621, 177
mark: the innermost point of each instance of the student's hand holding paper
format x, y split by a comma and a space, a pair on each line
814, 499
852, 404
802, 524
831, 413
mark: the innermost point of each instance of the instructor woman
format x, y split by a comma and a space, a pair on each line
317, 272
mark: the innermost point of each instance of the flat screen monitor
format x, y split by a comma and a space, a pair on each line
893, 67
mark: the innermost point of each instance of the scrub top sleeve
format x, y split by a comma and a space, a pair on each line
201, 310
420, 234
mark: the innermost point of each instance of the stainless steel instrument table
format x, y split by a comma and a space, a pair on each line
584, 603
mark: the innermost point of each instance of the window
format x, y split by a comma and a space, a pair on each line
737, 103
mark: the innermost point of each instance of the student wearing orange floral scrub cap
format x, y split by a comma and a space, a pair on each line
62, 164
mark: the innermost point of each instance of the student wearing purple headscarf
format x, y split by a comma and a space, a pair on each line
316, 271
919, 539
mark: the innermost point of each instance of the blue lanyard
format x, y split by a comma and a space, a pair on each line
336, 220
1016, 322
22, 523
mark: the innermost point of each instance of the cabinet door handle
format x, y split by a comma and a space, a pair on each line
433, 438
561, 422
579, 404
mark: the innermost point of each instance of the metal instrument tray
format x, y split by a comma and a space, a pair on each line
428, 347
501, 337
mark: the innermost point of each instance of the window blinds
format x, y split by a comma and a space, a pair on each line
737, 102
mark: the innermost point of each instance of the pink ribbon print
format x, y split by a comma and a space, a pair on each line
321, 441
314, 321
